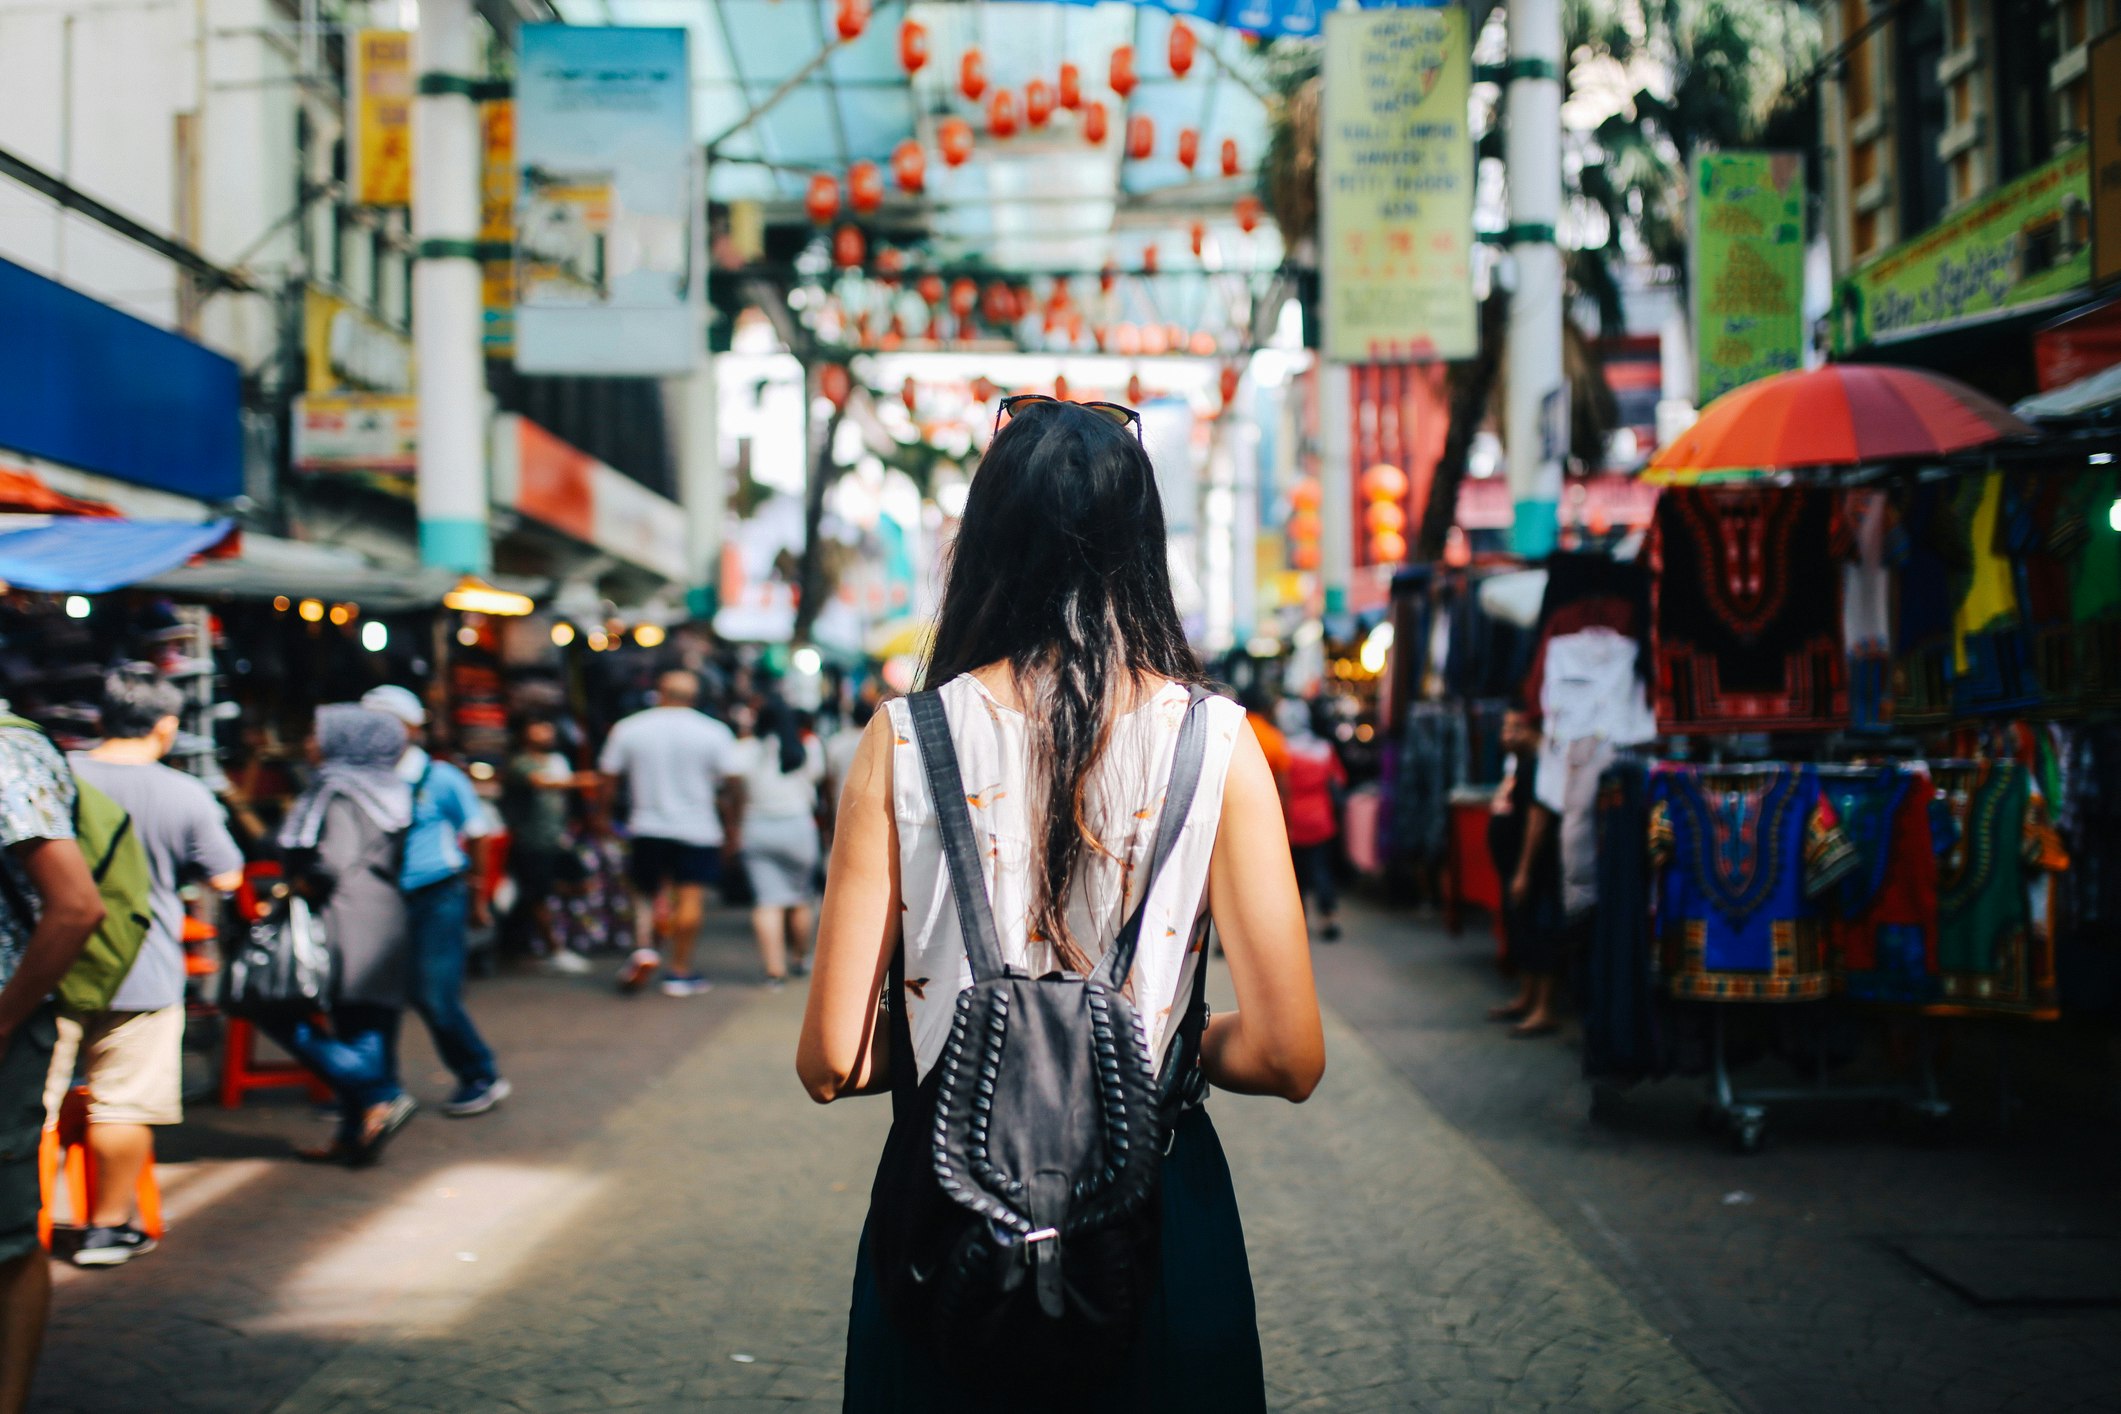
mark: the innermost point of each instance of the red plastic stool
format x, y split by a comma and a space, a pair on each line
242, 1072
64, 1148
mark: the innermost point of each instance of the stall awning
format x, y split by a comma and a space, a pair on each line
86, 555
270, 565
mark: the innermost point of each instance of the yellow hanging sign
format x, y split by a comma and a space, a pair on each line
382, 117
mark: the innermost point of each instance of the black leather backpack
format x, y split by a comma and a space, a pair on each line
1015, 1221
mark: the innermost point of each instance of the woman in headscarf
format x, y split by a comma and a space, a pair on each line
342, 841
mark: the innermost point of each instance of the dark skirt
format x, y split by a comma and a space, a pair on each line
1199, 1349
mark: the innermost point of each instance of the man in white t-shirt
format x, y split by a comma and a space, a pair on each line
672, 758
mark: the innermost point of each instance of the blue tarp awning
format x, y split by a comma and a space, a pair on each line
87, 555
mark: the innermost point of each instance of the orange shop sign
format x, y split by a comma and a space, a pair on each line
549, 480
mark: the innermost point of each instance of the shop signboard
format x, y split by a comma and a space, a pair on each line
497, 223
381, 123
542, 476
346, 347
1748, 247
606, 276
1396, 187
2024, 245
2104, 83
359, 432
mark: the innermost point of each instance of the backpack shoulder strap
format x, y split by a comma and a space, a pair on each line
946, 789
1186, 763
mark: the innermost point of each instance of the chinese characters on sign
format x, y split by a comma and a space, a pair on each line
1396, 187
1748, 268
382, 117
497, 223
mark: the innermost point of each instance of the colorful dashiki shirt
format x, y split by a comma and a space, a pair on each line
1740, 870
1882, 937
1995, 949
1748, 625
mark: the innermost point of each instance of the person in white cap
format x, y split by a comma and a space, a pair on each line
443, 898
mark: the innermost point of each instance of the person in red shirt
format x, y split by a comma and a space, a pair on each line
1315, 782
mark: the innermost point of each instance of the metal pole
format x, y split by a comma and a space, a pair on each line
1336, 482
1536, 409
446, 317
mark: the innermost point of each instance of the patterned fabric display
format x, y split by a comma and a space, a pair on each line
1883, 935
1748, 624
1995, 948
1741, 869
1992, 654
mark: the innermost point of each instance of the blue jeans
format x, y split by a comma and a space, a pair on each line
357, 1056
440, 923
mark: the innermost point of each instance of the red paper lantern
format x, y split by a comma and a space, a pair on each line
1174, 338
1001, 114
1202, 344
1038, 102
1059, 298
1141, 136
1108, 277
1126, 339
954, 136
1248, 213
1229, 156
1304, 557
852, 19
1075, 329
1122, 76
1060, 386
1304, 526
1385, 518
999, 304
1384, 482
1156, 340
983, 390
909, 393
1232, 375
1183, 45
849, 247
1304, 495
890, 264
1197, 236
912, 46
1094, 125
822, 201
1071, 86
931, 289
833, 382
865, 187
1389, 548
972, 75
963, 296
909, 167
1188, 147
1149, 259
1134, 388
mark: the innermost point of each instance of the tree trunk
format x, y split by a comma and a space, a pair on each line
1469, 408
810, 577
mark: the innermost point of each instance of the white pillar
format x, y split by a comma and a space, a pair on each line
702, 487
446, 328
1336, 485
1535, 415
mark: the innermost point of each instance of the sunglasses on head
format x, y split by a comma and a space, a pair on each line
1118, 415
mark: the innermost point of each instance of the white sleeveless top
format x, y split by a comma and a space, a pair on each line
1123, 806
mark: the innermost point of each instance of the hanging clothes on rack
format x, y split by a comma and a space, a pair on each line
1623, 1035
1995, 942
1866, 523
2085, 538
1882, 935
1743, 856
2027, 532
1929, 553
1748, 630
1991, 667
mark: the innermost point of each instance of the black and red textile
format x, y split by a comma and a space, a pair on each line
1748, 611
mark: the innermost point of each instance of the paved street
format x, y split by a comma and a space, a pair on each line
660, 1221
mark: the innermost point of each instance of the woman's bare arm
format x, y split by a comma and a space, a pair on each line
1274, 1043
843, 1045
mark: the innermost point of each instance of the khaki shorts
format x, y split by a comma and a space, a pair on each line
131, 1061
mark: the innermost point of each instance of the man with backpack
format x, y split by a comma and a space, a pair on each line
131, 1050
49, 905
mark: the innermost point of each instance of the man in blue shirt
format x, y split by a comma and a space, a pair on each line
440, 900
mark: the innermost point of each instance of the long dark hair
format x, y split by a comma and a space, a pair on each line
779, 722
1059, 570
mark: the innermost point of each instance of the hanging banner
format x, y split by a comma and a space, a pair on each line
2024, 245
359, 432
497, 223
381, 122
1396, 187
605, 279
1748, 214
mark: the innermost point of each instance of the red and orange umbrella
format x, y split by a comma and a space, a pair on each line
1845, 414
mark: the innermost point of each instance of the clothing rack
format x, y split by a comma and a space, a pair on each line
1744, 1113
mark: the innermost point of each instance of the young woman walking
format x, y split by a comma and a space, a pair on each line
773, 781
1065, 676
